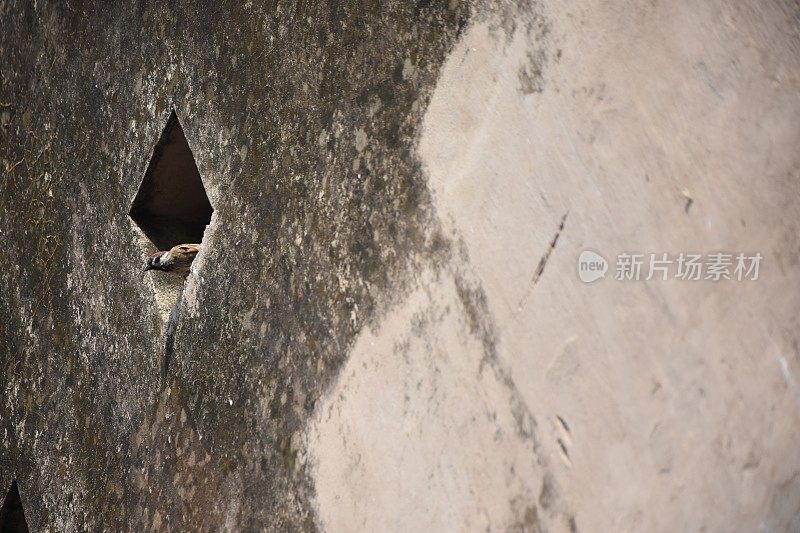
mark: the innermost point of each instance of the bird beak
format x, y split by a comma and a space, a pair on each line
146, 268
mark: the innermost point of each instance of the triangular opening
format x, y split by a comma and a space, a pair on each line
171, 206
12, 516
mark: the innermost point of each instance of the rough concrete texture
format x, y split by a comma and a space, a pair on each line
385, 330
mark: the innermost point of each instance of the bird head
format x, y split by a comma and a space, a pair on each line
155, 262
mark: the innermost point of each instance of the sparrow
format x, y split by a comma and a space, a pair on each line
176, 260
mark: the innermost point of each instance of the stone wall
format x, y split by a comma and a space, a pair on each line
385, 329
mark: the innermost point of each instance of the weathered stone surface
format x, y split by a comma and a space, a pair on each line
384, 329
302, 119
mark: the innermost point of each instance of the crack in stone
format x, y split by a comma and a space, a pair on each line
543, 261
172, 326
546, 256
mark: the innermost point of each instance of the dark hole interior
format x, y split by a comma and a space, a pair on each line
171, 206
12, 517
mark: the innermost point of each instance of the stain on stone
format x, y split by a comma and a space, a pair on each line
481, 324
527, 521
548, 495
531, 73
508, 18
572, 524
473, 299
